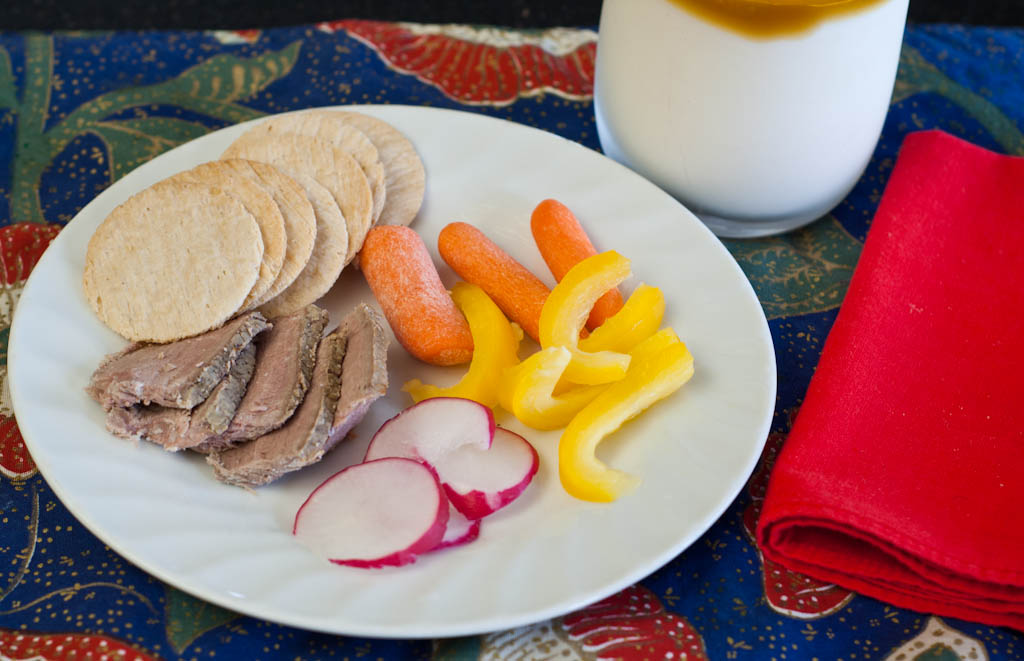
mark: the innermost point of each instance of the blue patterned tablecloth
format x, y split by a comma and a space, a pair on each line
79, 110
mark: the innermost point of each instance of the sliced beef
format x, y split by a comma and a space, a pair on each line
178, 375
215, 414
178, 429
302, 440
364, 374
158, 424
284, 367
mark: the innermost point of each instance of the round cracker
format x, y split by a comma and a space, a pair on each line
297, 211
332, 167
327, 260
324, 125
261, 205
404, 174
172, 261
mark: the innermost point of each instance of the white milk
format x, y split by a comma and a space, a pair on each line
756, 135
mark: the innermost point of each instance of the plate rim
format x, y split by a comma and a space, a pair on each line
484, 625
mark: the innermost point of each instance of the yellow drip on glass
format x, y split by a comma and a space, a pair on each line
771, 18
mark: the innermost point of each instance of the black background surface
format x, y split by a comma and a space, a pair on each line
205, 14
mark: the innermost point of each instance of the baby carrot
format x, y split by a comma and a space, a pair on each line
478, 260
563, 244
398, 268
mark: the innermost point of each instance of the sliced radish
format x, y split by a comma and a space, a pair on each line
375, 514
479, 482
433, 428
458, 439
460, 530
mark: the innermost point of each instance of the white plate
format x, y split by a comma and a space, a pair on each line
544, 555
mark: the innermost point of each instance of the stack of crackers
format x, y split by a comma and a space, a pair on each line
270, 226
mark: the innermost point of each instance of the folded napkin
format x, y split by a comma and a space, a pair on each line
903, 475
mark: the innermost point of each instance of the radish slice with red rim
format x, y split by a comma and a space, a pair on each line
479, 482
375, 514
459, 531
433, 428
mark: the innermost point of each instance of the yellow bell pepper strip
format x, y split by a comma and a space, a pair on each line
567, 308
653, 345
495, 348
656, 372
636, 321
526, 391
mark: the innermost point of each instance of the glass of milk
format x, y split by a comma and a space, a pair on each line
759, 116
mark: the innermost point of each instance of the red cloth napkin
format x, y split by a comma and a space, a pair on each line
903, 476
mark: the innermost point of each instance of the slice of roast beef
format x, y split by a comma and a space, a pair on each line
284, 367
178, 429
302, 440
158, 424
364, 374
215, 414
179, 374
